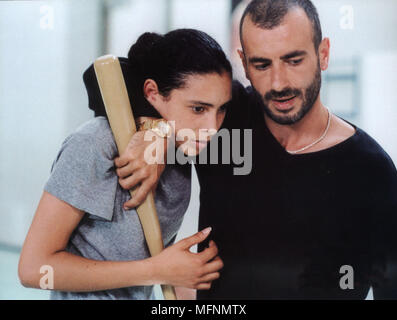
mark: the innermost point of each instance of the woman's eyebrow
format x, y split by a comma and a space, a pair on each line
201, 103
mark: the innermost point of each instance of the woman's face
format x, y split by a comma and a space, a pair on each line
197, 109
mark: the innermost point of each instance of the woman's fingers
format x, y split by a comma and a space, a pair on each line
210, 252
209, 277
213, 266
204, 286
205, 282
194, 239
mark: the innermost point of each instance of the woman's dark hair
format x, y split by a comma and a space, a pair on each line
168, 59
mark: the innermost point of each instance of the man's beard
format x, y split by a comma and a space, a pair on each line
308, 100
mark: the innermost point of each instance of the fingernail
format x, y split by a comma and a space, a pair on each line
206, 230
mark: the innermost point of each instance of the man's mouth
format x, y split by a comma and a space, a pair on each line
284, 99
285, 104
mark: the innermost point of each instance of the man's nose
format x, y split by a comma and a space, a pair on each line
278, 78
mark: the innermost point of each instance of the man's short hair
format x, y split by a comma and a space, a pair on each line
268, 14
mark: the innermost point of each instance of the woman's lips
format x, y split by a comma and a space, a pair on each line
201, 144
284, 104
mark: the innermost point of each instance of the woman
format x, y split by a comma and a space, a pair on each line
93, 244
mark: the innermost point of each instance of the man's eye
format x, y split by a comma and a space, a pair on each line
261, 66
198, 110
295, 62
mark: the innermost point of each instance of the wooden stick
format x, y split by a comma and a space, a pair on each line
118, 109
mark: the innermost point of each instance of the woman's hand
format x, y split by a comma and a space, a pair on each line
133, 169
177, 266
45, 244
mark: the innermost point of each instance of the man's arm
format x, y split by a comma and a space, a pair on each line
384, 235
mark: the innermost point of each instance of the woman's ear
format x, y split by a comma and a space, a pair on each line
154, 97
151, 92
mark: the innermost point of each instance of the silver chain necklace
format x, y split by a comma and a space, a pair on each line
317, 141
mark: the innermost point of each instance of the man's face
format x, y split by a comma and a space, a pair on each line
283, 66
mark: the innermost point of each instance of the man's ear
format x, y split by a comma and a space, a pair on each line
243, 61
323, 52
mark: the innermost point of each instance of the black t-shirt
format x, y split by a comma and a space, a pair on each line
285, 230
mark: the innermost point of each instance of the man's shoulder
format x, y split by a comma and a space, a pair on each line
241, 93
367, 149
243, 108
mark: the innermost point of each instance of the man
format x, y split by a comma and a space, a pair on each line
316, 217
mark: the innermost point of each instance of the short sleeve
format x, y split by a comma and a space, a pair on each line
83, 175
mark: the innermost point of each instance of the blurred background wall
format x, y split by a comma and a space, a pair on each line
45, 46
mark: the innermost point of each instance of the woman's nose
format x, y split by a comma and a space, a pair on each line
214, 122
209, 127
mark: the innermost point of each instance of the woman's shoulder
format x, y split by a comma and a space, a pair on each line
83, 172
97, 129
93, 135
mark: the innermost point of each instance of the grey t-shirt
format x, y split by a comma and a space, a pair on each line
84, 176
